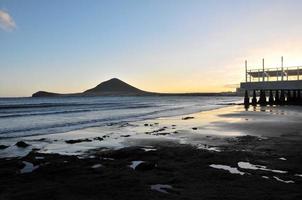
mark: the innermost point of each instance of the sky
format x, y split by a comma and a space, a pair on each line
69, 46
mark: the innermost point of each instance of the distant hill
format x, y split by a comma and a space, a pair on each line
116, 87
45, 94
112, 87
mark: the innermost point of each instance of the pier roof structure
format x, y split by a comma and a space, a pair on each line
279, 78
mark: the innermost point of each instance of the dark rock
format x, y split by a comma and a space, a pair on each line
22, 144
125, 135
194, 128
163, 133
186, 118
77, 141
99, 138
146, 124
3, 146
145, 166
159, 130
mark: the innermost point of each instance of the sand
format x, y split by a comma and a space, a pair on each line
181, 157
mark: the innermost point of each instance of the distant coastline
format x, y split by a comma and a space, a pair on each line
116, 87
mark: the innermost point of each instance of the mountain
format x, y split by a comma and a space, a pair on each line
112, 87
116, 87
45, 94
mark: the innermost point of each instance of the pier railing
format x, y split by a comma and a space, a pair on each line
280, 80
274, 74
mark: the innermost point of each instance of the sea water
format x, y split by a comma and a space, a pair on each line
38, 116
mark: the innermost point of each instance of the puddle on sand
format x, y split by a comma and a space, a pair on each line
146, 149
96, 166
135, 164
149, 148
161, 188
107, 158
232, 170
247, 165
208, 148
28, 168
283, 181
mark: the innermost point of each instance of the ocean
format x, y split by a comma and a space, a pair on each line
38, 116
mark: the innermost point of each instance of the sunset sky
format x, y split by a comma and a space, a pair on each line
156, 45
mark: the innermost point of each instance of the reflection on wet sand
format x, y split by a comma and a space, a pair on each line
206, 130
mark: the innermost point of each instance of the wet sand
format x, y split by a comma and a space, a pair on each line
226, 153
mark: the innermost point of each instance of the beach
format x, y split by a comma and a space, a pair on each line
224, 153
150, 100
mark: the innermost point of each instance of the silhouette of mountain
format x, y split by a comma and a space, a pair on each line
45, 94
114, 86
111, 87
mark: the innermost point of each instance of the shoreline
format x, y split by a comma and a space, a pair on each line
123, 127
209, 127
210, 155
97, 122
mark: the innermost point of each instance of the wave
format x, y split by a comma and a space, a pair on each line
75, 125
51, 105
22, 114
27, 117
69, 126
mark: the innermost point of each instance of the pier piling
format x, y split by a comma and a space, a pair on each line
271, 98
254, 99
282, 98
262, 98
299, 97
288, 97
246, 98
294, 98
277, 97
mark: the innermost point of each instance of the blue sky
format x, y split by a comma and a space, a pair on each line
158, 45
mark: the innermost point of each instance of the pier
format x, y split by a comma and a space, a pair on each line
272, 86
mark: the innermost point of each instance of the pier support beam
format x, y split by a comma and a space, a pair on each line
254, 99
277, 98
271, 98
294, 99
282, 98
299, 97
288, 97
246, 98
262, 98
